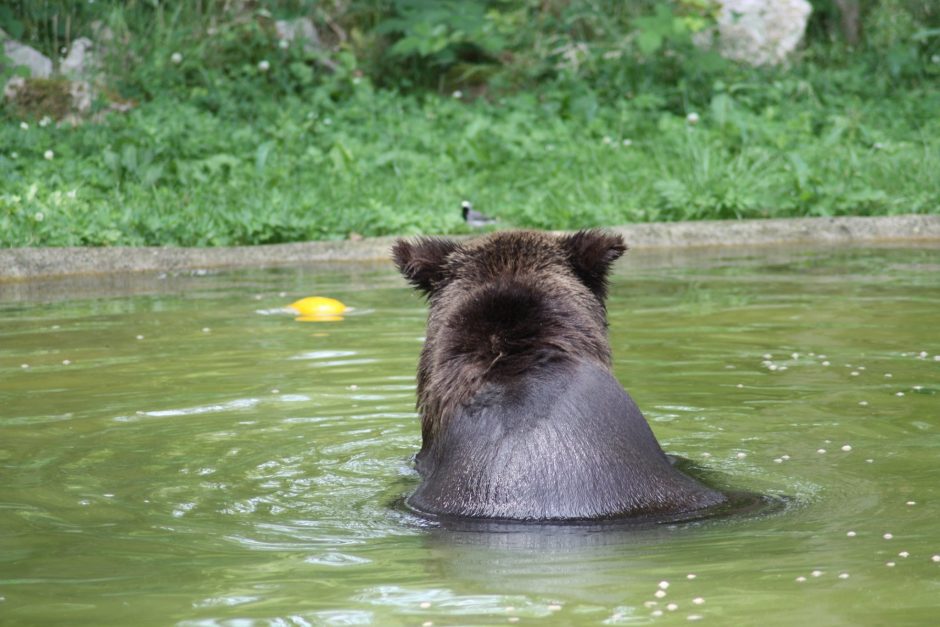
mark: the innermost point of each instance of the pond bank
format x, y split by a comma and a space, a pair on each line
30, 263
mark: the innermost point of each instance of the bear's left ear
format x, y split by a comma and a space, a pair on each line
591, 253
422, 260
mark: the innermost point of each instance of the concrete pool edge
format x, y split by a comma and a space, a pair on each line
32, 263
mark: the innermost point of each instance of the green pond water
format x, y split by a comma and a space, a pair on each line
174, 453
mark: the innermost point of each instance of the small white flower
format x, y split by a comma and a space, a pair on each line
48, 155
14, 155
72, 193
327, 121
356, 80
24, 126
39, 216
283, 44
935, 58
263, 65
45, 121
457, 94
176, 58
628, 142
692, 118
607, 140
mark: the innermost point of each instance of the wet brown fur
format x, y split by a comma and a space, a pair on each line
502, 304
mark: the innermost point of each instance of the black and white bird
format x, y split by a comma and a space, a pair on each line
474, 218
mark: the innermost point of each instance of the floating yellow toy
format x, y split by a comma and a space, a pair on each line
318, 309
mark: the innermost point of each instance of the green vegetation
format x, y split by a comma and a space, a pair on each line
551, 114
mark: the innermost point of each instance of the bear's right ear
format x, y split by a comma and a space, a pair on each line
422, 261
591, 253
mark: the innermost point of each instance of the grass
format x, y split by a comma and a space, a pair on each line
229, 154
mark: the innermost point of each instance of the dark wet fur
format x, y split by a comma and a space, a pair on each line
521, 417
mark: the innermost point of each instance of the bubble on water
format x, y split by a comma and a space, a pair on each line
741, 455
782, 368
855, 373
424, 605
888, 536
695, 617
816, 573
778, 460
935, 558
66, 362
650, 604
785, 458
900, 394
740, 385
691, 576
936, 357
795, 355
427, 623
656, 613
851, 534
888, 375
918, 388
843, 575
904, 554
659, 594
510, 608
821, 356
863, 403
890, 564
768, 356
861, 367
800, 579
869, 461
698, 600
513, 619
672, 607
663, 585
275, 391
772, 367
24, 366
846, 447
911, 503
820, 450
826, 363
706, 454
353, 387
140, 337
922, 354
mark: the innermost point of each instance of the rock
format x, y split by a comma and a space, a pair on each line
758, 32
300, 29
40, 66
13, 87
81, 62
82, 96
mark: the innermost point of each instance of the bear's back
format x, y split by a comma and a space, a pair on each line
565, 442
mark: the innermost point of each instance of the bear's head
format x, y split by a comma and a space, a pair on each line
503, 304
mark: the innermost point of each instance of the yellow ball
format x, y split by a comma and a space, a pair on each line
318, 308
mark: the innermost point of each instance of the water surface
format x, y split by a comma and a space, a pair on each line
172, 453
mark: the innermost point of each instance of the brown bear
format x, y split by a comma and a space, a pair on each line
521, 418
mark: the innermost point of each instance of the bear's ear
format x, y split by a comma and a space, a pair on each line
422, 260
591, 253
